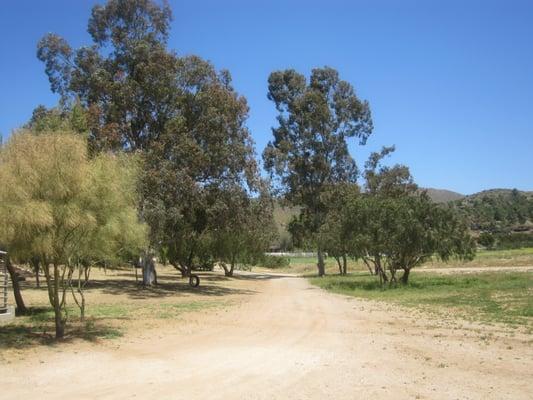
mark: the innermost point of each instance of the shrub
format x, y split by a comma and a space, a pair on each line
486, 239
274, 262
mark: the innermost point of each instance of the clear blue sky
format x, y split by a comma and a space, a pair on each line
450, 83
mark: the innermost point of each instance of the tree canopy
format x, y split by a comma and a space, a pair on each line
202, 163
125, 80
66, 210
392, 225
309, 152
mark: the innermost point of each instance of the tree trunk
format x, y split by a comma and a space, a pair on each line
380, 271
377, 265
182, 270
21, 307
34, 262
82, 307
149, 274
405, 277
59, 322
320, 265
368, 266
339, 264
344, 265
229, 272
60, 326
231, 268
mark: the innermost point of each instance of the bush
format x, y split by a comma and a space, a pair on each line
514, 241
274, 262
486, 239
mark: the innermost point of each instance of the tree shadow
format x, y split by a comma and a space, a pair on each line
18, 335
135, 290
261, 276
174, 285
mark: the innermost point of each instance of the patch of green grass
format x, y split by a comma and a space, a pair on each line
505, 297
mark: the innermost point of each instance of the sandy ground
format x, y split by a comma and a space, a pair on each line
285, 340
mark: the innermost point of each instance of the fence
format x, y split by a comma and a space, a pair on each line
3, 282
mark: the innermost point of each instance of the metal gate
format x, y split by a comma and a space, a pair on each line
3, 282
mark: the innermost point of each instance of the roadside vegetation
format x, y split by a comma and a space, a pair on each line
504, 297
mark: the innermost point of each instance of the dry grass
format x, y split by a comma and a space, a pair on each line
116, 303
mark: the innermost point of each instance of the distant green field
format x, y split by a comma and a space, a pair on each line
505, 297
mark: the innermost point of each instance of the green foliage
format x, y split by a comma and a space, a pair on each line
274, 262
497, 211
382, 180
334, 239
513, 240
125, 79
309, 152
396, 233
47, 177
486, 239
185, 118
242, 228
62, 205
391, 226
118, 236
67, 119
66, 210
199, 174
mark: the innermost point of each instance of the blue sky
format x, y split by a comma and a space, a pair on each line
450, 83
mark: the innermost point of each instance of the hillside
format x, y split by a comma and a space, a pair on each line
500, 192
443, 195
283, 214
498, 210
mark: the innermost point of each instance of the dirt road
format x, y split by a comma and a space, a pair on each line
288, 341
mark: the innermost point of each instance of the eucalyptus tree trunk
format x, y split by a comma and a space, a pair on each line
149, 273
228, 271
21, 307
320, 264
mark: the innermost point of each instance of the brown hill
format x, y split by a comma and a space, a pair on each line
443, 195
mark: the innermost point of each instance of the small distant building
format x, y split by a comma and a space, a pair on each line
7, 312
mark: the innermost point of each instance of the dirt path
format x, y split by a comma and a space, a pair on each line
288, 341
